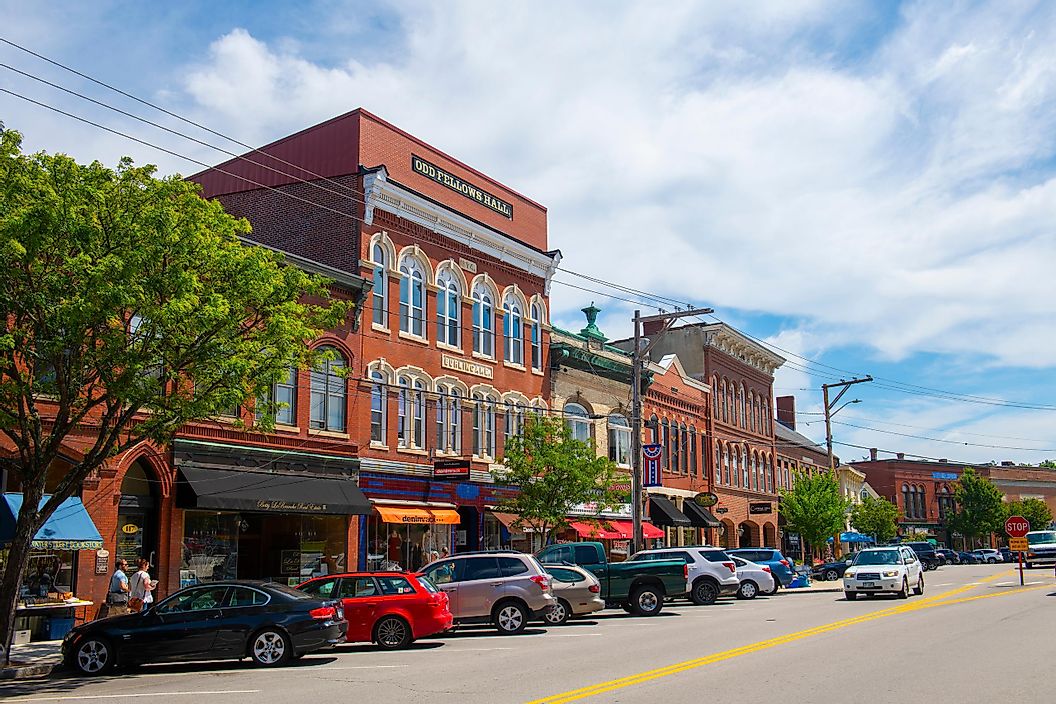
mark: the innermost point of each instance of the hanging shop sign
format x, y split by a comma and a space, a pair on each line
706, 499
444, 178
651, 467
451, 469
102, 561
449, 361
760, 508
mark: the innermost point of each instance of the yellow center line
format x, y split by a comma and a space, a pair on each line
943, 599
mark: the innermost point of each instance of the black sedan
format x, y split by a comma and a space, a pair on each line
831, 571
267, 622
948, 556
967, 558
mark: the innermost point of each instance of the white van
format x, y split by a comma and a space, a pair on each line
1041, 548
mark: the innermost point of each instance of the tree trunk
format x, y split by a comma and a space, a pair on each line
17, 559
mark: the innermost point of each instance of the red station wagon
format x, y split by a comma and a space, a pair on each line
391, 609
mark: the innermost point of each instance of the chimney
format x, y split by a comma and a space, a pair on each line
900, 456
872, 454
1008, 463
786, 411
944, 461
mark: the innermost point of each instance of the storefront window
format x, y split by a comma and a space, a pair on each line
405, 546
210, 547
49, 572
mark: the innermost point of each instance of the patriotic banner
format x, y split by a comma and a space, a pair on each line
651, 466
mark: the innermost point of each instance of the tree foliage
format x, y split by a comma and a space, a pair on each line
876, 517
554, 472
980, 508
1036, 512
814, 507
131, 307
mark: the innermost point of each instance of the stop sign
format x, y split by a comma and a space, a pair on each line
1017, 526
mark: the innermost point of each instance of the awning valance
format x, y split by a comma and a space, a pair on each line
242, 490
594, 530
626, 530
415, 515
663, 512
699, 517
68, 528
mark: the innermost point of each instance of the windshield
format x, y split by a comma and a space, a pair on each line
879, 557
1042, 537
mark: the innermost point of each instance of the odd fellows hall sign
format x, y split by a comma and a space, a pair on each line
444, 178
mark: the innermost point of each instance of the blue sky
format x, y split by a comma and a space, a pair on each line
869, 186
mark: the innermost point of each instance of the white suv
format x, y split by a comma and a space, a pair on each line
711, 572
890, 569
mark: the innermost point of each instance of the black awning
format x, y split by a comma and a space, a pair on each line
271, 492
699, 516
663, 512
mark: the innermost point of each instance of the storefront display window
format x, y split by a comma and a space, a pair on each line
407, 546
210, 547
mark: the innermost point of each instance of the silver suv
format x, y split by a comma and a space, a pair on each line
710, 571
503, 588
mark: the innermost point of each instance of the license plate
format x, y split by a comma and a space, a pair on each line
868, 585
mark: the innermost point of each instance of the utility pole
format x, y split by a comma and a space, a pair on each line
639, 354
829, 413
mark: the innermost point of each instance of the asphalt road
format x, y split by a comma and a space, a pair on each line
975, 636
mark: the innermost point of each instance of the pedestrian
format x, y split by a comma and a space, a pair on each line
141, 587
443, 552
117, 594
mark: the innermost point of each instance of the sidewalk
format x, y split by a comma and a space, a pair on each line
33, 660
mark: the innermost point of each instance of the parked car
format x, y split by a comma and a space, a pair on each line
925, 553
501, 587
1008, 556
831, 571
577, 591
711, 573
753, 579
988, 555
947, 556
890, 569
637, 587
267, 622
387, 608
968, 558
1041, 548
780, 566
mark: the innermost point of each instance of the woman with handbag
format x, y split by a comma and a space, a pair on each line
140, 587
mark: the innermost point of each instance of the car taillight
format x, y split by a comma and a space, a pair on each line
765, 568
732, 567
324, 613
685, 571
594, 589
542, 580
785, 563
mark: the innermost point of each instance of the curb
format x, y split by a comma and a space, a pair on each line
20, 672
812, 590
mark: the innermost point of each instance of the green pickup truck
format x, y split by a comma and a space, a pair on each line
637, 587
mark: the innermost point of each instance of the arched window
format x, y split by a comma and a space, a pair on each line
744, 468
537, 337
379, 398
448, 419
381, 285
514, 419
693, 451
725, 403
483, 426
683, 448
483, 321
715, 396
907, 509
619, 440
755, 471
718, 462
726, 464
410, 407
665, 440
283, 394
512, 331
328, 393
741, 407
449, 309
751, 414
578, 421
412, 297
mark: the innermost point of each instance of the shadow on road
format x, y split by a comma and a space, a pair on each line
371, 648
484, 632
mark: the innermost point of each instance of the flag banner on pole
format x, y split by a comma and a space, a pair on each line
651, 466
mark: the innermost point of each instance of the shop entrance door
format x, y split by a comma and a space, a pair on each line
137, 520
468, 533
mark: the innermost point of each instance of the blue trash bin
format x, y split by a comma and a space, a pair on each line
59, 627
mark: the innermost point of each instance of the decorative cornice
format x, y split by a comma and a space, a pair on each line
732, 343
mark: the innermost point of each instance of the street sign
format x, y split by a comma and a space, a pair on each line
1018, 544
1017, 527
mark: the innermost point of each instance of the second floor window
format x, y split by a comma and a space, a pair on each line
619, 440
483, 321
448, 310
379, 398
512, 332
284, 394
537, 338
381, 286
449, 419
328, 394
578, 421
412, 298
410, 412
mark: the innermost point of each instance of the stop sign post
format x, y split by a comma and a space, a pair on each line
1018, 527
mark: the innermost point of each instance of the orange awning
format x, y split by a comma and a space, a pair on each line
415, 515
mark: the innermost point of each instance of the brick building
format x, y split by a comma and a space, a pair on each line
453, 347
795, 453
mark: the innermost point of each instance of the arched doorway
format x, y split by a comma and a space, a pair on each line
137, 517
748, 535
770, 536
727, 534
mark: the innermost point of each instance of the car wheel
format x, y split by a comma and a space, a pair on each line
647, 601
704, 593
991, 561
94, 656
1029, 565
747, 590
851, 596
777, 585
919, 589
392, 633
270, 648
558, 614
831, 576
904, 593
510, 618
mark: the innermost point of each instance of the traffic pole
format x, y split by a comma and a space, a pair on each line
1021, 568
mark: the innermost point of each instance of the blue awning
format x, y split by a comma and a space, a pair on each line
68, 528
852, 537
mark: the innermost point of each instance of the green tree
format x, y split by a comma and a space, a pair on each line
131, 307
1047, 464
1035, 511
553, 472
980, 506
814, 507
876, 517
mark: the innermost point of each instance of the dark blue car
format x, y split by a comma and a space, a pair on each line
780, 566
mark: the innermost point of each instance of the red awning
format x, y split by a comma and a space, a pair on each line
594, 530
626, 529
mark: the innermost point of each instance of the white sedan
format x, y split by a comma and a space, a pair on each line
754, 578
891, 570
